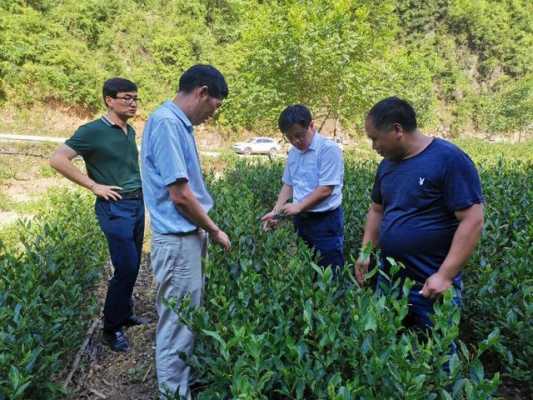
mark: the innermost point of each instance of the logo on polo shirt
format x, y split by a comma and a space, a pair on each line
421, 181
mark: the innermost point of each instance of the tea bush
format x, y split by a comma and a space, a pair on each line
275, 326
45, 298
498, 283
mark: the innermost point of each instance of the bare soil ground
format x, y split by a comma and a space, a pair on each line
21, 190
104, 374
25, 176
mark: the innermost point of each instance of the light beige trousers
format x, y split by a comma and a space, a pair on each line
177, 265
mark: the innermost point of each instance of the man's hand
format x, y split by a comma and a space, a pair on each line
106, 192
270, 220
291, 209
361, 269
435, 286
220, 237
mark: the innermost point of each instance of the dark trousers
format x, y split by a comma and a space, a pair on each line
421, 310
324, 233
122, 222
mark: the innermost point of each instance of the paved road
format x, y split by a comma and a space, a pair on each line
8, 137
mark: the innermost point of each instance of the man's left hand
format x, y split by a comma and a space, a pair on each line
435, 286
291, 209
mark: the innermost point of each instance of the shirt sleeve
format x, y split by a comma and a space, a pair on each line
287, 178
81, 142
462, 186
376, 189
331, 167
168, 152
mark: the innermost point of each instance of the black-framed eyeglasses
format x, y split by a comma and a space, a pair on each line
129, 99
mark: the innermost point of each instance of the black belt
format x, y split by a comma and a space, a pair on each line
135, 194
317, 214
193, 232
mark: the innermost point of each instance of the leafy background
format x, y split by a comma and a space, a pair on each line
466, 65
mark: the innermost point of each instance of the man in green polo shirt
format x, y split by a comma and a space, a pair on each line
108, 148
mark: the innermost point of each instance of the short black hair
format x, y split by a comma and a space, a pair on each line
117, 85
204, 75
393, 110
294, 114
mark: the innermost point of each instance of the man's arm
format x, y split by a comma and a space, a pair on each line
309, 201
371, 235
463, 244
331, 171
284, 195
187, 203
269, 219
61, 161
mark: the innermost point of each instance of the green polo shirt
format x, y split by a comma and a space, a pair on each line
111, 156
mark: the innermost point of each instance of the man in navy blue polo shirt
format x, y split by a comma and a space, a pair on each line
108, 148
313, 178
427, 207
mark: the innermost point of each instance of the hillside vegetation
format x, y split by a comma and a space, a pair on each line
465, 64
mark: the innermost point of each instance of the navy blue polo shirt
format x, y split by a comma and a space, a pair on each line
419, 196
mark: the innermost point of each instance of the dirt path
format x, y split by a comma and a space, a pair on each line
104, 374
11, 137
31, 138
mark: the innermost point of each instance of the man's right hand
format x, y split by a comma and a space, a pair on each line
361, 269
270, 220
220, 237
106, 192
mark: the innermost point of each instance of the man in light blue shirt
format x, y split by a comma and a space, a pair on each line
178, 201
313, 178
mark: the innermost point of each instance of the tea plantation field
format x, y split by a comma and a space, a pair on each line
273, 325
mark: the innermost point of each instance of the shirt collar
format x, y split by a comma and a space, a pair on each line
179, 113
108, 122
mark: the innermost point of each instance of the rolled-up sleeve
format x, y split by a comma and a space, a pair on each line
331, 166
168, 151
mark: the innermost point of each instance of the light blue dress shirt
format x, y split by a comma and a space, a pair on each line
169, 153
320, 165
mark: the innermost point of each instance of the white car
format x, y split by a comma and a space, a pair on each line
339, 143
257, 145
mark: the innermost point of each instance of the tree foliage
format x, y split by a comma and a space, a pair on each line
456, 60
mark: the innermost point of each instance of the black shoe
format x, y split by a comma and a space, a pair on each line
117, 340
135, 321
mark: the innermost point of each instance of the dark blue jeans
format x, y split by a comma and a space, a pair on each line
324, 233
122, 222
420, 307
421, 310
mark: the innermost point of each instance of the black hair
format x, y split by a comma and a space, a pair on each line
117, 85
294, 114
393, 110
204, 75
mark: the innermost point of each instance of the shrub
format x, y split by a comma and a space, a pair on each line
45, 297
276, 326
